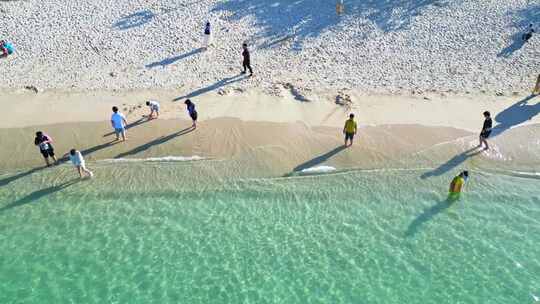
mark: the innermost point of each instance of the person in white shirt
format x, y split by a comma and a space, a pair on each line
118, 122
154, 108
77, 160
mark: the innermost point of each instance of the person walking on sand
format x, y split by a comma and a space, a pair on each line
192, 112
246, 63
77, 160
154, 108
536, 90
350, 129
207, 35
486, 130
118, 122
44, 142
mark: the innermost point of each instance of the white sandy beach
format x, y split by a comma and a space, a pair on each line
388, 47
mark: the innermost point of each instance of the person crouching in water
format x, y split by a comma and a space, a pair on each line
456, 186
77, 160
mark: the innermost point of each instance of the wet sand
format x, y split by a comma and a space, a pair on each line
275, 135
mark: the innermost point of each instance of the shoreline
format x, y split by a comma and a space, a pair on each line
428, 109
275, 134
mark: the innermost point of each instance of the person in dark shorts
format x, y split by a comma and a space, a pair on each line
192, 112
246, 63
486, 130
44, 142
528, 34
350, 129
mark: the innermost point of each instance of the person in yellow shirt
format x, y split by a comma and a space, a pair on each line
536, 90
349, 129
457, 185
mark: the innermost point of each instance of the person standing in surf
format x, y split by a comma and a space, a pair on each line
246, 61
192, 112
44, 142
350, 129
486, 130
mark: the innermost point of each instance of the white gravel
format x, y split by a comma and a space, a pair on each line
377, 46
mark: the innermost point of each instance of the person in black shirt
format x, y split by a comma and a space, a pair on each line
528, 34
44, 142
246, 64
486, 130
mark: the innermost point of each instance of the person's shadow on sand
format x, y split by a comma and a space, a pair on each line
317, 160
155, 142
429, 214
223, 82
518, 113
517, 43
130, 125
36, 195
168, 61
452, 163
7, 180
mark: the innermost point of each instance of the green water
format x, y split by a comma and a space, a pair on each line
179, 233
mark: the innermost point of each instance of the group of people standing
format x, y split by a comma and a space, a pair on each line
118, 123
350, 129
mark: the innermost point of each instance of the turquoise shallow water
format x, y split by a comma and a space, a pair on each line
179, 233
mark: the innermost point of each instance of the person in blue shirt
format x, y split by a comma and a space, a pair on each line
192, 112
6, 48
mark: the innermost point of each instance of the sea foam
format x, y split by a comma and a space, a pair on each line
318, 169
156, 159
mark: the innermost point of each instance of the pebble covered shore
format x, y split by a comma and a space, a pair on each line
376, 46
